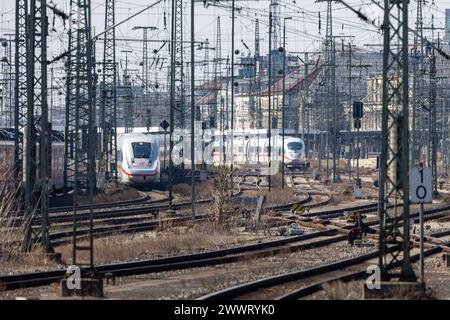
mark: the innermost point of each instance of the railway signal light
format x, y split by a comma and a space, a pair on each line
357, 110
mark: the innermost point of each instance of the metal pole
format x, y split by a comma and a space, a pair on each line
417, 70
172, 104
108, 95
335, 118
193, 111
231, 126
358, 153
45, 133
433, 119
350, 93
20, 83
165, 149
422, 261
284, 102
10, 81
30, 136
306, 95
269, 93
394, 162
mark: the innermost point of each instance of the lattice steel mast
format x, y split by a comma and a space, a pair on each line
217, 75
145, 58
394, 170
128, 103
108, 97
330, 78
177, 98
258, 72
433, 120
177, 94
81, 116
36, 192
417, 63
20, 90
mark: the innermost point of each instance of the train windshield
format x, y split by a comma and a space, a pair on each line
295, 146
142, 150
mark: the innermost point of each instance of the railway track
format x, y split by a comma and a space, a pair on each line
98, 206
312, 279
131, 220
343, 275
179, 262
309, 280
197, 260
312, 191
145, 207
138, 223
127, 221
204, 259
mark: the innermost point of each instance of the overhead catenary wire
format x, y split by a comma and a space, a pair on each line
59, 57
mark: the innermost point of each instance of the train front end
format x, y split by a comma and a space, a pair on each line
138, 159
294, 153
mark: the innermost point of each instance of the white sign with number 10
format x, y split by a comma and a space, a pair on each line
421, 185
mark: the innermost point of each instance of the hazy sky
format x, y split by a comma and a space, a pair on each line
302, 32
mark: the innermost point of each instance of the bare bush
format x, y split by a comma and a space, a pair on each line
222, 195
10, 222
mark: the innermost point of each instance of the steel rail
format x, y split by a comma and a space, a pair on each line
313, 288
177, 262
246, 288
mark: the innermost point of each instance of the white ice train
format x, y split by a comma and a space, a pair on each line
255, 150
246, 151
137, 163
140, 155
295, 153
138, 158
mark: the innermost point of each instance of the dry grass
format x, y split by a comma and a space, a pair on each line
344, 194
279, 196
12, 258
173, 241
121, 194
202, 190
183, 189
337, 290
26, 262
276, 180
10, 232
113, 194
